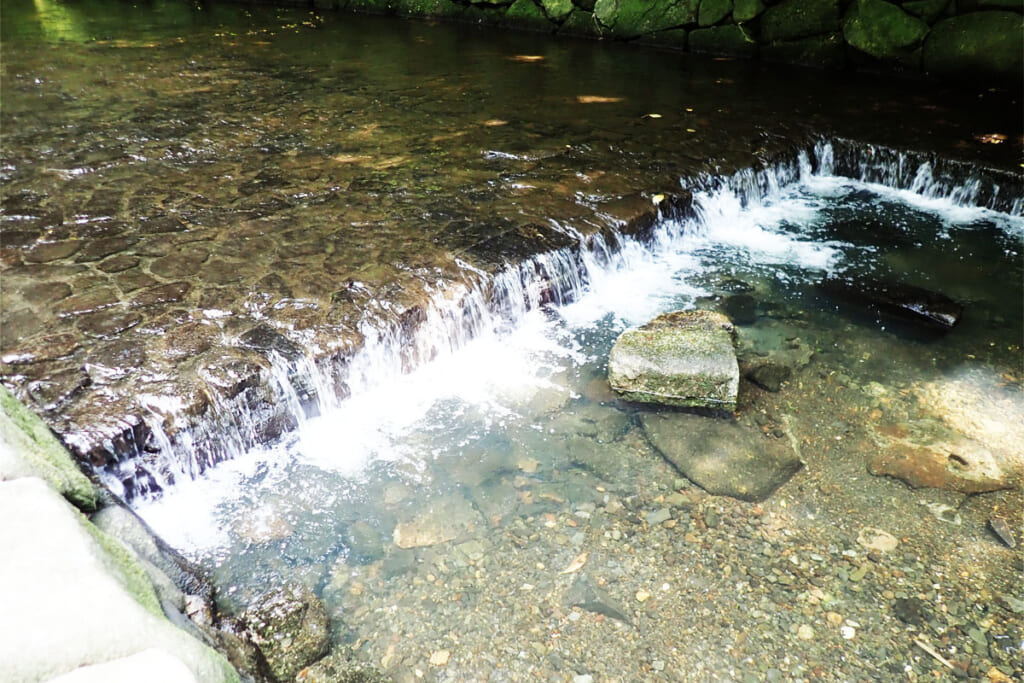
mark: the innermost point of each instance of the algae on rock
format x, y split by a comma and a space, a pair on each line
28, 448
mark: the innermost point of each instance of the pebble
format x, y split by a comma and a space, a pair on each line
847, 632
642, 595
805, 632
440, 657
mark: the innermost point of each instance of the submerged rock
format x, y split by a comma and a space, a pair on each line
438, 522
955, 464
913, 304
721, 457
769, 376
289, 626
684, 358
585, 593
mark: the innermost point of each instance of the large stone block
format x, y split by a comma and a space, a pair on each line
977, 45
684, 358
73, 596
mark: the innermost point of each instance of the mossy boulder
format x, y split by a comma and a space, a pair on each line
581, 23
673, 37
290, 628
527, 14
557, 10
746, 10
632, 18
977, 45
730, 40
29, 449
882, 29
684, 358
713, 11
431, 8
793, 19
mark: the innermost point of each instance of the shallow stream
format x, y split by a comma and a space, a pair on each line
209, 214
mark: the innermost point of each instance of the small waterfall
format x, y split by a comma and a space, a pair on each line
298, 385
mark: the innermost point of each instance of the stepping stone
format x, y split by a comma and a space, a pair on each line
683, 358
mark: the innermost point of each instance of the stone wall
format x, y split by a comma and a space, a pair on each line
977, 40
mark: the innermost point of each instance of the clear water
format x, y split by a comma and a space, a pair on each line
518, 425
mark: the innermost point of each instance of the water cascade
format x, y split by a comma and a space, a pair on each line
298, 384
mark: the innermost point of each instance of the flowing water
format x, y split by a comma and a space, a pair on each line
428, 474
330, 297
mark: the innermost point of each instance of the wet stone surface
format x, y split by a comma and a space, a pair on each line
262, 162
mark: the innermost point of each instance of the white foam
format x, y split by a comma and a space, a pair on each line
492, 376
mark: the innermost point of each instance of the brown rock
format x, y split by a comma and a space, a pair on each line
108, 323
36, 350
95, 299
164, 294
43, 293
95, 250
116, 264
51, 251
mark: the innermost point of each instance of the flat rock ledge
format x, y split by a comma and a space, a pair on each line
683, 358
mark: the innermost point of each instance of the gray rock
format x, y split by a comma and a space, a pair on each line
684, 358
585, 593
1001, 528
289, 626
722, 457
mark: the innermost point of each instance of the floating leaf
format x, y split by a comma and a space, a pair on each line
495, 122
992, 138
596, 99
527, 58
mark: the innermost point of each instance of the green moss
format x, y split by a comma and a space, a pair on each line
132, 574
793, 19
713, 11
882, 29
42, 454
